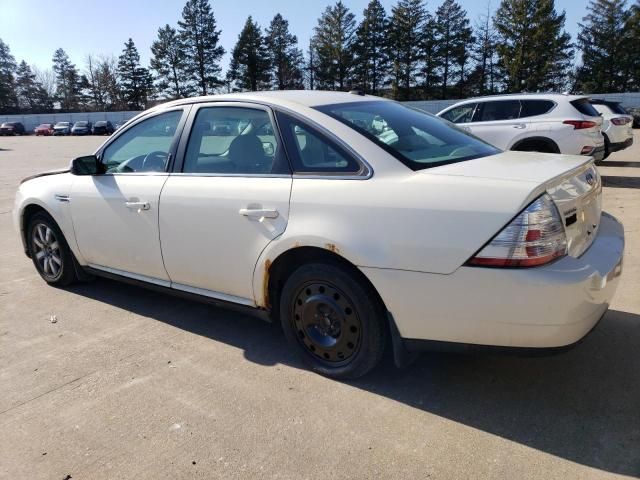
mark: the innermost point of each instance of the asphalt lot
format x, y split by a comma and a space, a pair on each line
129, 383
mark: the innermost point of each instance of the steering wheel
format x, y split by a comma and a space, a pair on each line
154, 161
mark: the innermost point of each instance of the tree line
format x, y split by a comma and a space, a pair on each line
408, 53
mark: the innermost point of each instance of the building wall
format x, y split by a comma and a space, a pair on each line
32, 121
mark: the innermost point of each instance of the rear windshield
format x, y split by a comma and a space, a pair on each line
101, 124
584, 107
62, 124
418, 139
81, 124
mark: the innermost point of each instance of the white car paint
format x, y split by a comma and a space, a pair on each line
409, 232
620, 136
507, 134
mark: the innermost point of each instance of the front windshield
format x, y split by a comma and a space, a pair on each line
417, 139
81, 124
62, 124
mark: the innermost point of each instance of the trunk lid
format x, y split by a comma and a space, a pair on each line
571, 180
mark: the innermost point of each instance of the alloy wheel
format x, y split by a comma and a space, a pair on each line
46, 251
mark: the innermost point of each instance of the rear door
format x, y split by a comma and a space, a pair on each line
498, 122
227, 199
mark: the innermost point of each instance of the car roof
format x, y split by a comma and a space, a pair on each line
529, 96
306, 98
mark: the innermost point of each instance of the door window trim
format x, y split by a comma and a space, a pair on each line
178, 163
364, 173
137, 120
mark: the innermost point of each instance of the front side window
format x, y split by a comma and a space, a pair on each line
498, 110
460, 114
233, 140
417, 139
144, 147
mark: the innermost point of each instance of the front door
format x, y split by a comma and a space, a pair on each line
228, 200
115, 214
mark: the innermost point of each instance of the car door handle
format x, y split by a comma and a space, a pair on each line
258, 212
138, 205
520, 125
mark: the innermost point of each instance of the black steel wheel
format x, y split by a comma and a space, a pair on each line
333, 319
49, 251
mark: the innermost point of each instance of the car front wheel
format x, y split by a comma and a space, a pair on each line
333, 319
49, 251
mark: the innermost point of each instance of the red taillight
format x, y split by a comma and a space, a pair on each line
533, 238
620, 120
581, 124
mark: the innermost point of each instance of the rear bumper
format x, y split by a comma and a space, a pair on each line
597, 153
538, 308
615, 147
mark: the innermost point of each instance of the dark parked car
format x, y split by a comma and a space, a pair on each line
81, 128
12, 128
103, 128
635, 112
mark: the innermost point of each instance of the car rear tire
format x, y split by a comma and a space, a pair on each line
607, 147
50, 252
333, 320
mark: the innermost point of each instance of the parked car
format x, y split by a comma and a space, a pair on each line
102, 128
617, 125
81, 128
635, 113
12, 128
62, 128
553, 123
354, 240
45, 129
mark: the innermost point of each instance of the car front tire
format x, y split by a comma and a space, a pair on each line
49, 251
333, 320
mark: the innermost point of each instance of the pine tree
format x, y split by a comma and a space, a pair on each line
430, 57
406, 35
67, 81
30, 94
602, 41
135, 81
169, 62
287, 60
199, 35
250, 66
534, 50
453, 34
8, 100
311, 66
371, 64
333, 42
632, 55
483, 77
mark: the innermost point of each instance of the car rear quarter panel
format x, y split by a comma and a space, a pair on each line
412, 221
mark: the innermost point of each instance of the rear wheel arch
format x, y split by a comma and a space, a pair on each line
531, 143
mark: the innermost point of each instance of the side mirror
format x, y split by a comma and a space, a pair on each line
88, 165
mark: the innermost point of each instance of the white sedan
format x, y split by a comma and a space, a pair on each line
358, 223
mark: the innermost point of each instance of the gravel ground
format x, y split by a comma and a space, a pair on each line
128, 383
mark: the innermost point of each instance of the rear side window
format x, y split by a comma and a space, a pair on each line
531, 108
498, 110
460, 114
312, 152
584, 107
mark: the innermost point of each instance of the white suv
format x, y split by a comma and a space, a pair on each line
553, 123
616, 127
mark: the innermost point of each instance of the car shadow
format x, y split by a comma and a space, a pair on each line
583, 405
617, 163
620, 182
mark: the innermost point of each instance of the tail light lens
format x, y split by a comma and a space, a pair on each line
535, 237
580, 124
620, 120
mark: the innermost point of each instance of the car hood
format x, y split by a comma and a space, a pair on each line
57, 171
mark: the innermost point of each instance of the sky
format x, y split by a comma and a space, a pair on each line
35, 29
